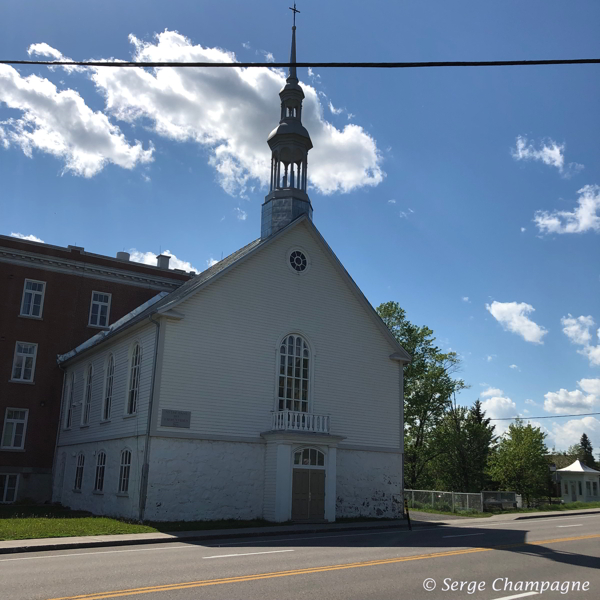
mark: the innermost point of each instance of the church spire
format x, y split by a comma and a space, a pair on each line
289, 142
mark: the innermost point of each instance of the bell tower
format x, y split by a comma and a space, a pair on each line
289, 142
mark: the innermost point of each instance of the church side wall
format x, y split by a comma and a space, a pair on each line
219, 361
205, 480
270, 481
110, 502
368, 484
120, 424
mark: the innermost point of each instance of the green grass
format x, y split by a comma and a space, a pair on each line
458, 513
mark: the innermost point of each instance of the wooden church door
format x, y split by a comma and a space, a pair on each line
308, 494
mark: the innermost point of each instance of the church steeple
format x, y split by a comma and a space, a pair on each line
289, 142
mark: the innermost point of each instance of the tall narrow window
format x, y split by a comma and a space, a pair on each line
134, 380
124, 472
33, 298
79, 471
294, 357
100, 309
69, 402
108, 388
87, 396
8, 487
15, 424
100, 465
24, 362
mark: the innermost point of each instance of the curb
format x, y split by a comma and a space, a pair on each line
559, 513
191, 538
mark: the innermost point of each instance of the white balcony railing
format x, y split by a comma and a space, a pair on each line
291, 420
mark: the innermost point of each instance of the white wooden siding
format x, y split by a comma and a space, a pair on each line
219, 362
120, 425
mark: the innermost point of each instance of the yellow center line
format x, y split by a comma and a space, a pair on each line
369, 563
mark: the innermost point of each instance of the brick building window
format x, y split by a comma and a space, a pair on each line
100, 466
33, 298
100, 309
24, 362
8, 487
124, 472
79, 472
15, 425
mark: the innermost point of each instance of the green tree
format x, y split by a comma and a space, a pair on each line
428, 388
586, 451
519, 462
464, 438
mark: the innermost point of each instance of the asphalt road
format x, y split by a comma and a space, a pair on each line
492, 555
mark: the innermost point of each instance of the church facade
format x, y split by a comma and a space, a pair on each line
265, 387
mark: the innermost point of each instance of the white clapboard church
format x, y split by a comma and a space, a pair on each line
264, 387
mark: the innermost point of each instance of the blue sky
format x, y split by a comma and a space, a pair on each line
467, 195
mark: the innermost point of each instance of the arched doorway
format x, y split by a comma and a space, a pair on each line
308, 485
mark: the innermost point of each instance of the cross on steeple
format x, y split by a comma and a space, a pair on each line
294, 10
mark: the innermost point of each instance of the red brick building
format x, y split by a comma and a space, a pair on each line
53, 299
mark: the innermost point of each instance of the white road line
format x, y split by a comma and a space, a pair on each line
518, 596
246, 554
578, 525
462, 535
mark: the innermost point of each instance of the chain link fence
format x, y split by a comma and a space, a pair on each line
457, 502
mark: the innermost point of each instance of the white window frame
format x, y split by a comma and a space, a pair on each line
107, 304
86, 401
109, 385
4, 487
30, 315
133, 386
285, 376
79, 467
303, 465
100, 472
25, 356
124, 471
15, 423
69, 401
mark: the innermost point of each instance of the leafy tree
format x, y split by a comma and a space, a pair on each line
586, 452
519, 462
464, 438
428, 389
574, 452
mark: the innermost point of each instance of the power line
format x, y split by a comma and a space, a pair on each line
546, 417
320, 65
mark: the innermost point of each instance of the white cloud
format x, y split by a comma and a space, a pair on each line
269, 57
211, 261
230, 112
569, 433
513, 317
61, 124
515, 367
466, 299
523, 229
550, 153
500, 407
584, 400
246, 45
391, 201
149, 258
578, 329
242, 215
492, 392
490, 357
532, 402
31, 238
584, 217
334, 110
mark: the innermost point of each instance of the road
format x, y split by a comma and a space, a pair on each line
495, 555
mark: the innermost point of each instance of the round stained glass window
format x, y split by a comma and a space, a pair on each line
298, 261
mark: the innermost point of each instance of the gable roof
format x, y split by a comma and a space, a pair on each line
579, 467
164, 302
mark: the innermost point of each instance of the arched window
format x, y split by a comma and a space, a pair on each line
108, 388
294, 357
100, 465
87, 396
309, 457
134, 380
69, 401
124, 472
79, 471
